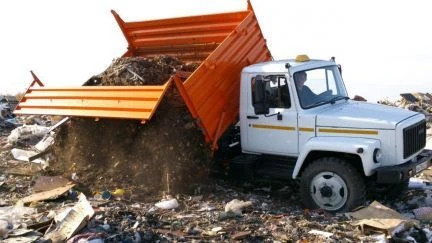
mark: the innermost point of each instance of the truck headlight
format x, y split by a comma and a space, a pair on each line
377, 155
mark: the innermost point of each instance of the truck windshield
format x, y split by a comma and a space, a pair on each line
319, 86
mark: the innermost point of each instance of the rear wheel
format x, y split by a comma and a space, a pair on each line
332, 184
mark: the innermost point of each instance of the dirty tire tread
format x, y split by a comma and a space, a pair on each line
354, 181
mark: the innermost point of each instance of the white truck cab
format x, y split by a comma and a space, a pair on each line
297, 121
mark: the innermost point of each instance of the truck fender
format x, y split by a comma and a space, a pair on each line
363, 147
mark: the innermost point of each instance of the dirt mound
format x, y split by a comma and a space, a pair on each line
168, 153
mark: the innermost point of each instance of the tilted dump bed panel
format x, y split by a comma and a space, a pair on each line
213, 90
187, 38
222, 45
127, 102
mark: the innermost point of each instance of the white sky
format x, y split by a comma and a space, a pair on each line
385, 47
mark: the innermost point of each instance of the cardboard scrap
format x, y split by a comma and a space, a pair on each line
46, 183
51, 194
379, 217
376, 210
75, 219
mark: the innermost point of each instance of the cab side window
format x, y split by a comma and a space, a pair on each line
276, 89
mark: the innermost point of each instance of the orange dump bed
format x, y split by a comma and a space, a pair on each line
222, 43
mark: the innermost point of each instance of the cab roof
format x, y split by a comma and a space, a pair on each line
280, 65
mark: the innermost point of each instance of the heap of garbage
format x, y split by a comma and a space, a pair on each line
167, 153
419, 102
7, 118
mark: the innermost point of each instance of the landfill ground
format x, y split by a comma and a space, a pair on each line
219, 210
122, 181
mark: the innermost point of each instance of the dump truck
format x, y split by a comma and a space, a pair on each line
257, 110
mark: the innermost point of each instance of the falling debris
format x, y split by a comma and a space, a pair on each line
161, 155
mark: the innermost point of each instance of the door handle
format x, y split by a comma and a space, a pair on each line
252, 117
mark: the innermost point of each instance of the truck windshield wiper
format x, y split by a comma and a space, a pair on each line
336, 98
331, 101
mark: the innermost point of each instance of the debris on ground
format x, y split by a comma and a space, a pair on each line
25, 155
106, 179
45, 195
423, 213
379, 217
236, 206
29, 134
167, 204
71, 220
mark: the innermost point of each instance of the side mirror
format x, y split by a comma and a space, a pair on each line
261, 105
340, 69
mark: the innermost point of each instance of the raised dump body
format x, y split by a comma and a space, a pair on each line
222, 43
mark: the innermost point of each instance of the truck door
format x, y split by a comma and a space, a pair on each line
276, 132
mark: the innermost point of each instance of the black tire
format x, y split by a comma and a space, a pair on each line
321, 177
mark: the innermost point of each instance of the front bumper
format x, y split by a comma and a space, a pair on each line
402, 172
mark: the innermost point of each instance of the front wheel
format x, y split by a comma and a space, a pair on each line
332, 184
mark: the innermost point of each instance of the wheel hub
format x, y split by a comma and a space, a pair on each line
329, 191
326, 191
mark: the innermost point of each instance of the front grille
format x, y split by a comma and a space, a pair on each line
414, 138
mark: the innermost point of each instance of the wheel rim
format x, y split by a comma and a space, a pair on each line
329, 191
